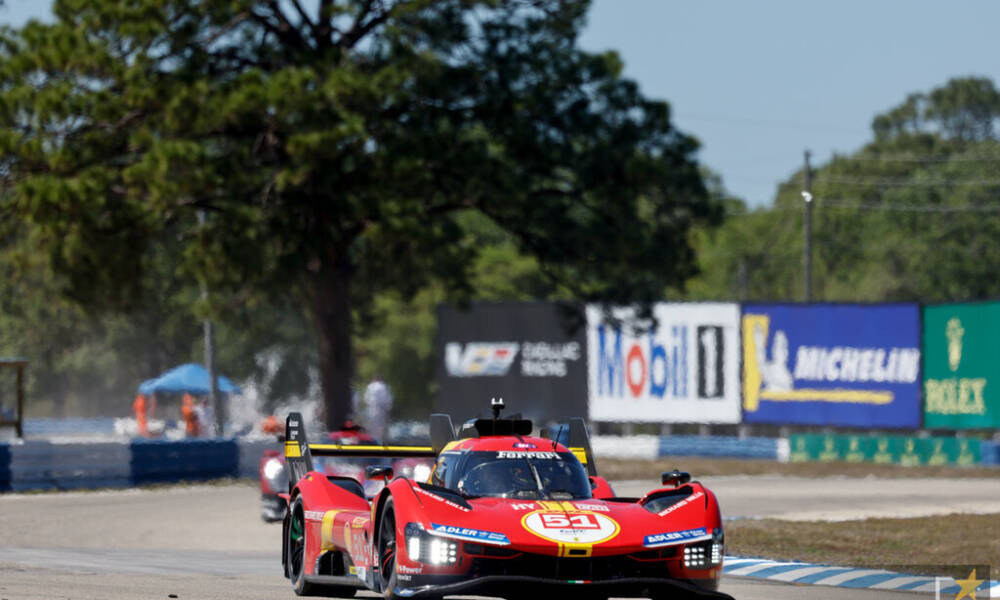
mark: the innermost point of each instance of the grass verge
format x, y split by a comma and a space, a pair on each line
613, 468
924, 546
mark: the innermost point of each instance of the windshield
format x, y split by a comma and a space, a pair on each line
524, 475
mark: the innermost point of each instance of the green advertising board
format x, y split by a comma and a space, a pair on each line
884, 449
961, 349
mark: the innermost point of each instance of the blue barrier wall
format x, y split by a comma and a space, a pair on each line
732, 447
4, 468
989, 453
192, 460
38, 465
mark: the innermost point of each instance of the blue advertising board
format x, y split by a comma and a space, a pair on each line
842, 365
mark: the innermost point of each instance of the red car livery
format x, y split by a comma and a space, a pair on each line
502, 512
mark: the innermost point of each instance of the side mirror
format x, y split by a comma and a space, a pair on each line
378, 472
675, 478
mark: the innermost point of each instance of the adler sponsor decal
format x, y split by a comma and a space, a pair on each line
600, 507
684, 502
467, 533
314, 515
675, 537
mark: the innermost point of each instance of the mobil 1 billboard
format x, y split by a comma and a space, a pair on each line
961, 344
531, 354
842, 365
680, 367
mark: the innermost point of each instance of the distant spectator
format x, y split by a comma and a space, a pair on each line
206, 417
143, 408
377, 405
190, 416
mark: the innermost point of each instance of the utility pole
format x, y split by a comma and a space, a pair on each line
807, 231
214, 398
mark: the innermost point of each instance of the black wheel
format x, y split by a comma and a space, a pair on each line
296, 553
387, 551
295, 547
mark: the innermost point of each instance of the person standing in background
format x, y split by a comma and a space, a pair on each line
206, 417
377, 405
142, 407
190, 416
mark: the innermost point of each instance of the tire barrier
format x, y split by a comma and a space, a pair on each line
155, 461
719, 446
250, 453
888, 449
651, 446
989, 453
45, 466
4, 468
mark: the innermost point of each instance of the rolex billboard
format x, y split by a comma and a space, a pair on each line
961, 349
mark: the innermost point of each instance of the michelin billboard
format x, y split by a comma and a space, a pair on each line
830, 364
686, 370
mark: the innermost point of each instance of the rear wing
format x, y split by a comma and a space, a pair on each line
579, 443
299, 452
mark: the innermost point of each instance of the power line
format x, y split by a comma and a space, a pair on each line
904, 181
914, 208
917, 158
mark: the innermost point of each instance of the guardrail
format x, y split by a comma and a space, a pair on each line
37, 465
43, 465
652, 446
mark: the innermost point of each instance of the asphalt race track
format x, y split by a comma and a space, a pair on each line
208, 541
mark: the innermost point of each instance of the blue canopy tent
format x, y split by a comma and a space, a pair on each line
189, 379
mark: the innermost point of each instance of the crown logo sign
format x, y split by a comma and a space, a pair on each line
954, 331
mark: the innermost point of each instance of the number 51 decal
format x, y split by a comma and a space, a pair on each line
563, 521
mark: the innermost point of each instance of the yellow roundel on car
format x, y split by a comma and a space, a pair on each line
577, 528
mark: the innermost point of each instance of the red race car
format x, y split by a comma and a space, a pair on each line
274, 476
502, 510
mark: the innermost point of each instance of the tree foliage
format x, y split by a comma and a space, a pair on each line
913, 215
334, 148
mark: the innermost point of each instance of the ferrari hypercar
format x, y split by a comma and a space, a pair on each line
274, 477
503, 513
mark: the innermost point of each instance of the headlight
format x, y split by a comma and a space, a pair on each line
421, 473
695, 557
426, 548
274, 473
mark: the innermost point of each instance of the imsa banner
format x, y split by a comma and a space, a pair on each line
527, 353
828, 364
961, 344
685, 370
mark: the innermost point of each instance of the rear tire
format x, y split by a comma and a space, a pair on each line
295, 549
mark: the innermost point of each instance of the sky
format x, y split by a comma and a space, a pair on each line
759, 82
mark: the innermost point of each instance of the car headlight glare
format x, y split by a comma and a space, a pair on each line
421, 473
274, 473
425, 548
695, 557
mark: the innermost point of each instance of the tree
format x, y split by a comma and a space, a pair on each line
334, 150
913, 215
